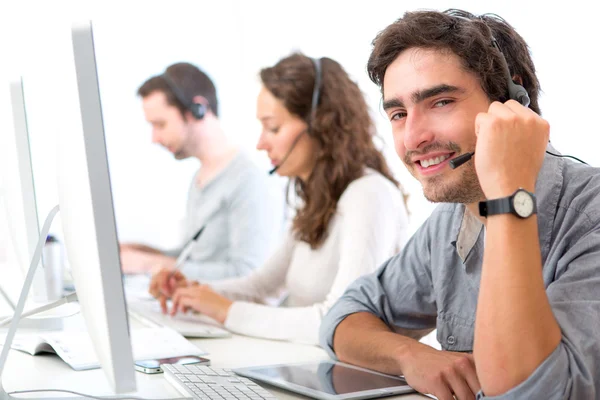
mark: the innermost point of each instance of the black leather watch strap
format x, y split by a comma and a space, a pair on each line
496, 206
506, 205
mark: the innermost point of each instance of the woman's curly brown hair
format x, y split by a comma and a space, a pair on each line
342, 128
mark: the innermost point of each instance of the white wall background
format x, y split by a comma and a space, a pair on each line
232, 40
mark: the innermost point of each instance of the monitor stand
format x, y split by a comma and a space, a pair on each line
21, 303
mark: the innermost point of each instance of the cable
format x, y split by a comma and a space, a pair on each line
70, 298
91, 396
567, 156
7, 298
463, 158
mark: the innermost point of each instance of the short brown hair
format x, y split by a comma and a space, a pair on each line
467, 36
343, 129
190, 80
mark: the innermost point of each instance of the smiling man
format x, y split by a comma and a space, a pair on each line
508, 268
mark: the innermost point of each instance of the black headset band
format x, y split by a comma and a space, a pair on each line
316, 91
515, 91
198, 110
177, 92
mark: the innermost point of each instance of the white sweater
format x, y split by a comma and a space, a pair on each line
370, 225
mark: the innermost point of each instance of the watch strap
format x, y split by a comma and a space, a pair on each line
496, 206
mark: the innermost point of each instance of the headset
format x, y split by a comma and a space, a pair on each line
515, 92
313, 111
197, 109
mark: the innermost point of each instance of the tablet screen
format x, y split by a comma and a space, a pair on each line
328, 377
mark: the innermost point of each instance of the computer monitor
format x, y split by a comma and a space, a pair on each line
90, 235
19, 202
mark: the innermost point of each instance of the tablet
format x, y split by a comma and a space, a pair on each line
328, 380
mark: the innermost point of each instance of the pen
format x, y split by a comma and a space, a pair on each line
185, 253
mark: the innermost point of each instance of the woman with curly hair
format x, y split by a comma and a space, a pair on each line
351, 215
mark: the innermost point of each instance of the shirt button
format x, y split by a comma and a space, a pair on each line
451, 340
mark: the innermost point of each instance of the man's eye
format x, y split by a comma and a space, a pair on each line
442, 103
398, 115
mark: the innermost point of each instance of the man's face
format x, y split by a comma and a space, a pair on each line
169, 129
432, 102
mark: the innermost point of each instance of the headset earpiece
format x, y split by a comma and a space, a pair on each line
198, 110
515, 91
313, 111
518, 93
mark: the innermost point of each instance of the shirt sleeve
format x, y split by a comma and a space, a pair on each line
372, 226
263, 282
255, 215
400, 293
572, 370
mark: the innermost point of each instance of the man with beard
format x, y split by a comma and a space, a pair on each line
508, 268
230, 197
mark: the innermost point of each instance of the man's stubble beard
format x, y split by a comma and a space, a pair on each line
466, 189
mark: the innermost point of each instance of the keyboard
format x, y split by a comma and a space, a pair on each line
188, 325
207, 383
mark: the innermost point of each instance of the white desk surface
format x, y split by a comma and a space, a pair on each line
24, 372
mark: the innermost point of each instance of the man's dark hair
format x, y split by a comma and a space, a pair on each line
191, 82
467, 36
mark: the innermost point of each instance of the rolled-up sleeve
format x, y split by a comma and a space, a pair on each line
572, 370
400, 293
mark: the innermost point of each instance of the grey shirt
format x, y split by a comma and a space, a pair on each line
434, 282
243, 215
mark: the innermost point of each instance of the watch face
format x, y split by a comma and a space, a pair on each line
523, 203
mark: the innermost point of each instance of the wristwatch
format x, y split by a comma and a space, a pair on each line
521, 203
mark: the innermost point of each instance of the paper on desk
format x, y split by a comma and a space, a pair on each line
76, 349
136, 287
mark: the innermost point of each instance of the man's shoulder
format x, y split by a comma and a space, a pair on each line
580, 192
244, 161
447, 210
246, 169
443, 222
446, 214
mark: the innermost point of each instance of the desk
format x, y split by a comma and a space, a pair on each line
48, 371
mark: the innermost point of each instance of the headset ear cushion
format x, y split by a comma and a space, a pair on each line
518, 93
198, 110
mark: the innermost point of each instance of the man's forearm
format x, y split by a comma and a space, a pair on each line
363, 339
515, 328
145, 248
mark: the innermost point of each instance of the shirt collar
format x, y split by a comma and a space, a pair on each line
547, 191
468, 233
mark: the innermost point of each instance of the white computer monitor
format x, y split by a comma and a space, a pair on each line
90, 235
19, 209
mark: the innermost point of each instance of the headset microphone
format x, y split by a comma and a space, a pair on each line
313, 112
460, 160
275, 168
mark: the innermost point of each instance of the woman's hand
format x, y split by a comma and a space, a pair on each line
164, 284
203, 299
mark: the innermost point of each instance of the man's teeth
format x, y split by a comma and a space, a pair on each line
434, 161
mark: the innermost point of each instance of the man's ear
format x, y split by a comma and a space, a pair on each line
200, 99
517, 79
